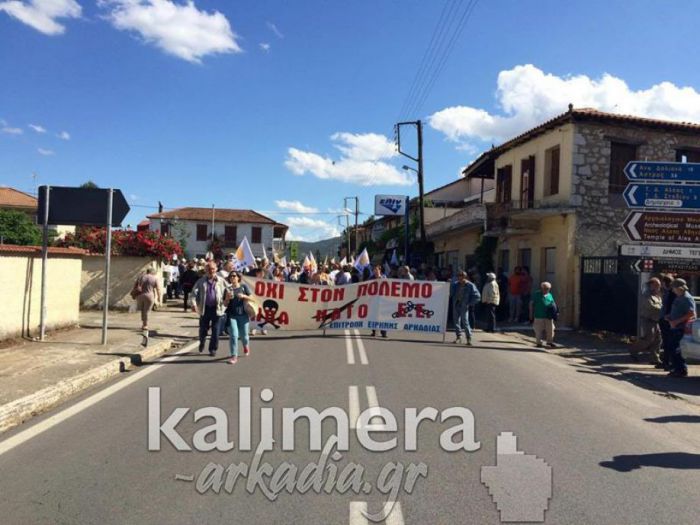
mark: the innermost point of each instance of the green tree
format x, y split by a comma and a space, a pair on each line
17, 228
89, 184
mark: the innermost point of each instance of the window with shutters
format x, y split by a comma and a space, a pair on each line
201, 232
504, 184
551, 171
230, 233
527, 182
688, 155
620, 155
257, 235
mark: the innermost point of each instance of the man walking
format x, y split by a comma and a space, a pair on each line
543, 313
208, 301
682, 313
667, 299
377, 274
491, 298
464, 295
649, 311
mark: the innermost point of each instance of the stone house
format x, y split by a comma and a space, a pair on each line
196, 226
558, 192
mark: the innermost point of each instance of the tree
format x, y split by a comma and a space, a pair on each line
17, 228
89, 184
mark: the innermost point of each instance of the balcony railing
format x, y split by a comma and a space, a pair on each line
473, 215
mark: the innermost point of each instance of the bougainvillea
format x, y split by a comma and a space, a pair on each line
124, 242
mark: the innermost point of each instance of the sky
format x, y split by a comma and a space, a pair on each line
288, 107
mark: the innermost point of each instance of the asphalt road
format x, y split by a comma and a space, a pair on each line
619, 454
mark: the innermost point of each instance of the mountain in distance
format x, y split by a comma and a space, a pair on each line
324, 247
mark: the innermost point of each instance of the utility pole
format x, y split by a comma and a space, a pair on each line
419, 160
357, 212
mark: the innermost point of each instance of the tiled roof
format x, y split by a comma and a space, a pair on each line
13, 249
12, 198
591, 114
220, 215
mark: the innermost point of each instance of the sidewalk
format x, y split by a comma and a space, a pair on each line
608, 354
36, 376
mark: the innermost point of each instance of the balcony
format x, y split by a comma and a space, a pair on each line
468, 217
520, 218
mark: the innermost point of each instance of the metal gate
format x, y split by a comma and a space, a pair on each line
609, 291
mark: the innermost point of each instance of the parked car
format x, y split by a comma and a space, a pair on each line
690, 344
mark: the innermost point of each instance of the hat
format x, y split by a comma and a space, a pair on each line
679, 283
654, 280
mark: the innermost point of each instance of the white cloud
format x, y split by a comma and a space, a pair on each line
12, 131
308, 229
527, 96
264, 46
295, 206
64, 135
363, 161
45, 152
272, 27
42, 15
181, 30
38, 128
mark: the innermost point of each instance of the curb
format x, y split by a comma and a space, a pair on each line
20, 410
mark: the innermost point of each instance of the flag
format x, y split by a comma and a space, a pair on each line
343, 261
306, 264
264, 255
275, 257
283, 262
362, 261
325, 261
312, 263
332, 260
243, 257
387, 269
394, 258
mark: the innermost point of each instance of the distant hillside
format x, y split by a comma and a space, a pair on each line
325, 247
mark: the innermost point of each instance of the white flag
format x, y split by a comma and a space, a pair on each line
343, 261
283, 262
362, 260
394, 258
243, 257
312, 263
264, 253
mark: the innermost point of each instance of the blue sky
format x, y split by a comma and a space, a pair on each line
243, 104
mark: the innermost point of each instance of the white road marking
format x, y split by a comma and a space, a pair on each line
358, 509
348, 348
361, 348
396, 516
63, 415
353, 405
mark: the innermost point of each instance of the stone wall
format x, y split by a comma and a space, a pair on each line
600, 216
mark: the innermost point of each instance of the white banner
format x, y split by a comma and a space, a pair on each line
381, 304
390, 205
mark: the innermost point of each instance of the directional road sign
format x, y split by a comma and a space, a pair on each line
662, 171
81, 206
678, 196
663, 227
663, 252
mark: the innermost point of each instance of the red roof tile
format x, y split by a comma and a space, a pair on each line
12, 198
13, 249
220, 215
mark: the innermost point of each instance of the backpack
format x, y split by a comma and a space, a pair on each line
137, 289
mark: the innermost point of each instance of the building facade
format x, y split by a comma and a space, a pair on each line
194, 227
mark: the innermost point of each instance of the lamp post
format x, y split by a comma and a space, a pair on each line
419, 172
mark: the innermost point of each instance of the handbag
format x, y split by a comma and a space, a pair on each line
553, 311
250, 310
137, 289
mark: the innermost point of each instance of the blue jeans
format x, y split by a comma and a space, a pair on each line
209, 318
461, 320
677, 360
238, 326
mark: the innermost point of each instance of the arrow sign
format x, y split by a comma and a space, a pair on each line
677, 196
676, 228
81, 206
662, 171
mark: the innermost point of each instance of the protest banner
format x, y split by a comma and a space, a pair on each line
381, 304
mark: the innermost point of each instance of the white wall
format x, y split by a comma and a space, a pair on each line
196, 248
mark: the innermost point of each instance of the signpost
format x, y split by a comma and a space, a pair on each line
677, 196
80, 206
663, 227
663, 252
639, 171
394, 205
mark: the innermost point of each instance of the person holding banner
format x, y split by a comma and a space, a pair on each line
464, 295
238, 319
377, 274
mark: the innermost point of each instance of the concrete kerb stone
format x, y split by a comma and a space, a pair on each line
20, 410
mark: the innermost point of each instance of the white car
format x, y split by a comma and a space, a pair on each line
690, 344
